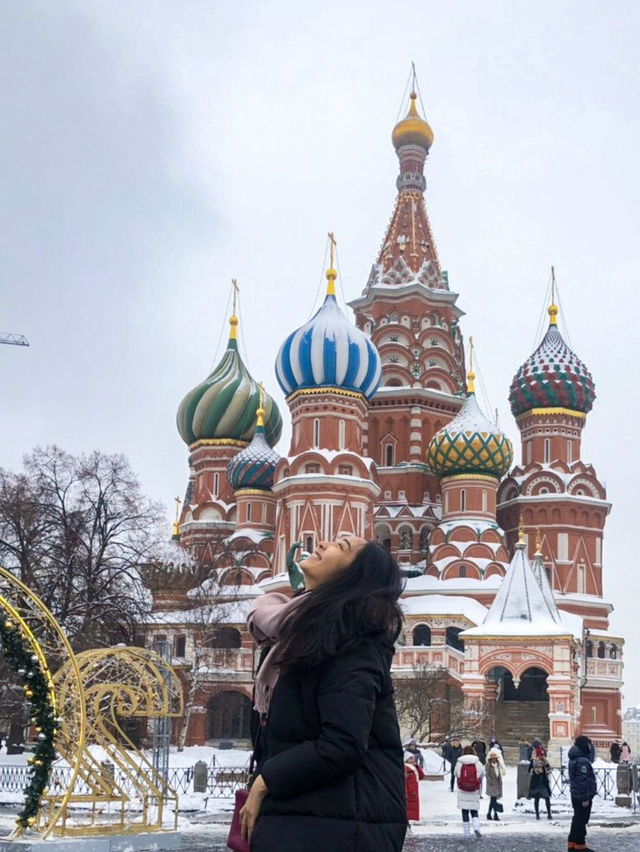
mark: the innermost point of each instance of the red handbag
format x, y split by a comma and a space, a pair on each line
235, 840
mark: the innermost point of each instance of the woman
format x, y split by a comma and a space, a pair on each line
413, 774
495, 770
469, 772
539, 787
330, 772
625, 753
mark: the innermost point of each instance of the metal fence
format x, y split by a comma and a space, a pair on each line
605, 779
222, 781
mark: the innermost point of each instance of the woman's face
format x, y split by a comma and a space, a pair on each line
330, 558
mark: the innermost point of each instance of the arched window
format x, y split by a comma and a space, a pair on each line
308, 543
422, 635
613, 652
601, 650
388, 455
452, 638
588, 648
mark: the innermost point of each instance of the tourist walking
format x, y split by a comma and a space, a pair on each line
480, 749
494, 772
330, 771
493, 743
582, 784
413, 774
539, 786
452, 752
625, 753
469, 773
412, 746
614, 751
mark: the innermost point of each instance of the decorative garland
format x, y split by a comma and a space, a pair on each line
37, 690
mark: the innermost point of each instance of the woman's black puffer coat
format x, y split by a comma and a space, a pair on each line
333, 759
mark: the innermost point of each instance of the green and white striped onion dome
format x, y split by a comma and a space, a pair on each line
223, 406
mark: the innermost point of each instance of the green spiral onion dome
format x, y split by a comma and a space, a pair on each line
223, 406
470, 444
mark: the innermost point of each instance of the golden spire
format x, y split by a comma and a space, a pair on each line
260, 411
471, 375
176, 532
521, 541
412, 129
331, 273
553, 308
538, 542
233, 319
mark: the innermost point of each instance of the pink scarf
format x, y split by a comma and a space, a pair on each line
264, 621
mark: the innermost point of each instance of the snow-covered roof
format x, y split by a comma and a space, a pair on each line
427, 583
426, 605
254, 535
520, 608
233, 612
330, 455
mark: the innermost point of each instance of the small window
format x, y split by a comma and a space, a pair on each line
316, 432
462, 571
601, 650
180, 646
569, 452
308, 543
613, 652
484, 501
248, 511
588, 648
422, 635
547, 450
216, 484
312, 467
341, 434
463, 500
388, 455
345, 470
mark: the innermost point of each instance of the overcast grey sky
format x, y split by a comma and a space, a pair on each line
151, 151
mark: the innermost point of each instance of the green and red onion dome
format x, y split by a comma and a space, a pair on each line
553, 377
223, 406
255, 465
470, 444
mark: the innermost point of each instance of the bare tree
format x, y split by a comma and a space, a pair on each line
77, 529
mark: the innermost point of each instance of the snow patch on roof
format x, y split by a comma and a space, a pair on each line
427, 605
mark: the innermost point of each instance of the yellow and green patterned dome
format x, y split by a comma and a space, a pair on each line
470, 444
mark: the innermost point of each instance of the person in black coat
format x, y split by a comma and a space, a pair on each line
451, 751
583, 787
330, 771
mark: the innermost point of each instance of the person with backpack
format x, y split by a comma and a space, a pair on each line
469, 773
582, 783
539, 786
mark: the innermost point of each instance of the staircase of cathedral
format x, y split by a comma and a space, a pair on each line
517, 721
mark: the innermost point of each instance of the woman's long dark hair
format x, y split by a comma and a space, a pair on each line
361, 602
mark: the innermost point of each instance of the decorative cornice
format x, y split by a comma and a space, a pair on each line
254, 492
327, 390
218, 442
549, 412
479, 477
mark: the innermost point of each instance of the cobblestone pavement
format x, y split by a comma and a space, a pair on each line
613, 839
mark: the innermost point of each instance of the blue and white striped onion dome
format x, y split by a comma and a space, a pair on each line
255, 465
328, 351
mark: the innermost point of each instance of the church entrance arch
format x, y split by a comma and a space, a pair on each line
228, 716
520, 706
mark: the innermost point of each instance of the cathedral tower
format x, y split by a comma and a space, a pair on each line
328, 370
411, 315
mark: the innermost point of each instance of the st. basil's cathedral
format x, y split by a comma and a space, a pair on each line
503, 594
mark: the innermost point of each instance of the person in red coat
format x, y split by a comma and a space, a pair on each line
412, 774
